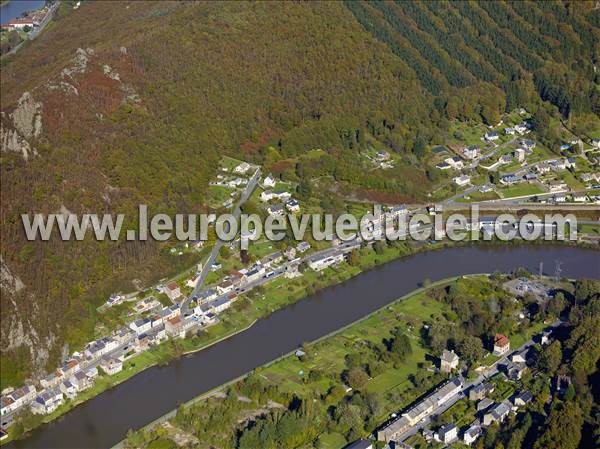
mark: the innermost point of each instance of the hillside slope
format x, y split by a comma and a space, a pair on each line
123, 103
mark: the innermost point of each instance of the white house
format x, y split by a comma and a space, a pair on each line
269, 181
141, 325
172, 290
17, 399
579, 197
221, 304
276, 209
520, 154
319, 263
81, 381
111, 365
557, 186
462, 180
509, 131
68, 389
47, 401
293, 205
455, 162
491, 136
242, 168
498, 413
448, 361
472, 433
501, 344
448, 433
472, 152
266, 195
521, 128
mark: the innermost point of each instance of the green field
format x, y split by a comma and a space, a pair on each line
521, 190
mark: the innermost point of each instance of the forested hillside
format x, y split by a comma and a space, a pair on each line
117, 104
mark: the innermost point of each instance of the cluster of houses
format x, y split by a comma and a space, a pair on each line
449, 392
28, 21
284, 198
419, 411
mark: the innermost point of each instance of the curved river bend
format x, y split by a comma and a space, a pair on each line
104, 420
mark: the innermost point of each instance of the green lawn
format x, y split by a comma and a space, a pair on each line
521, 190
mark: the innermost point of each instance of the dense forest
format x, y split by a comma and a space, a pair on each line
123, 103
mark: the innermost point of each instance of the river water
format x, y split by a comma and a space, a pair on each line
14, 9
104, 420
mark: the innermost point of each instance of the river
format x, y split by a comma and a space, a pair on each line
14, 8
104, 420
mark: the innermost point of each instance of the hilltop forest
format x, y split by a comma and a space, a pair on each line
122, 103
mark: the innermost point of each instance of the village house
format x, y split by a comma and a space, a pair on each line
290, 252
522, 399
382, 155
269, 181
521, 128
490, 136
81, 381
191, 282
396, 211
51, 380
140, 325
505, 159
543, 167
176, 327
527, 143
17, 399
515, 371
47, 401
20, 23
498, 413
443, 165
242, 168
519, 357
509, 131
472, 152
557, 186
472, 434
480, 391
111, 365
455, 162
321, 262
271, 259
462, 180
220, 304
520, 154
207, 295
501, 344
276, 209
484, 404
292, 205
509, 179
216, 266
303, 247
172, 290
596, 143
579, 197
448, 434
266, 195
420, 410
68, 389
225, 287
448, 361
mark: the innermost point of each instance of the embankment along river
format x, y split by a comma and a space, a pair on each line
104, 420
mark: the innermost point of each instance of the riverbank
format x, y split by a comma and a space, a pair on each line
315, 374
278, 333
191, 402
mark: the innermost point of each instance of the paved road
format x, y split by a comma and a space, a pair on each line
252, 183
